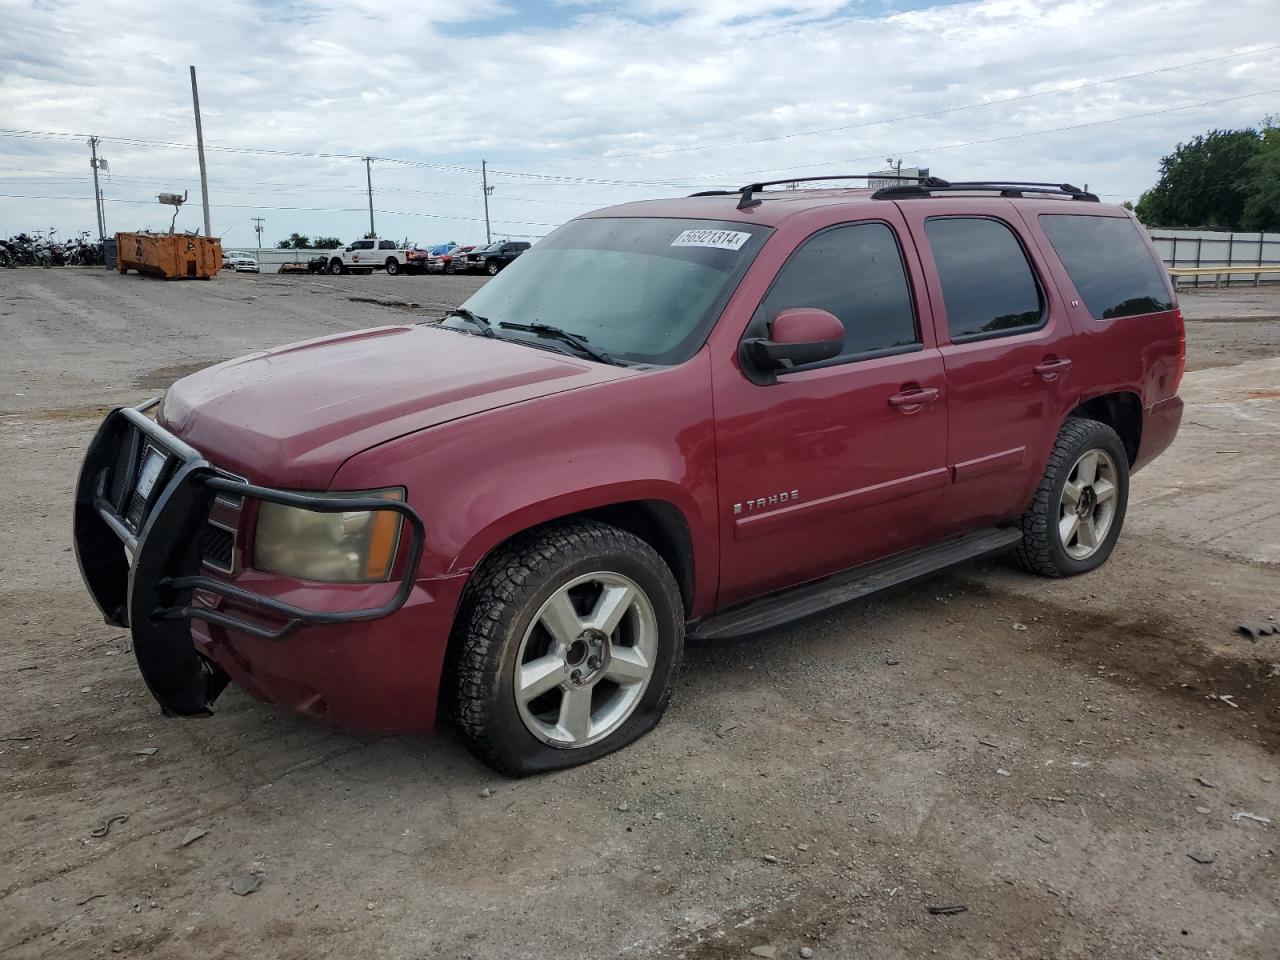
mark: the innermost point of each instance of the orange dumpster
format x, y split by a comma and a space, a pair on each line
169, 256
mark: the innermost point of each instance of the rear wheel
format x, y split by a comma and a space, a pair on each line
1079, 507
335, 266
393, 266
568, 642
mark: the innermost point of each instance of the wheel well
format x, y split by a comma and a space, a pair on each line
663, 527
1122, 412
656, 522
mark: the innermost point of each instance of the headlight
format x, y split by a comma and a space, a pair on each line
356, 547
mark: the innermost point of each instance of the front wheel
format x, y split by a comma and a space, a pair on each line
492, 268
1079, 507
565, 648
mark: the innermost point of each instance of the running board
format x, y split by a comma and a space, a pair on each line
809, 598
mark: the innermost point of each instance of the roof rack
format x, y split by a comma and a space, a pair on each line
748, 198
1006, 188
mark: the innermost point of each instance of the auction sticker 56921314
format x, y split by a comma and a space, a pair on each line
716, 239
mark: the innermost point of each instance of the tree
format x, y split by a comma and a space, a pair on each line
1202, 182
1262, 182
296, 241
325, 243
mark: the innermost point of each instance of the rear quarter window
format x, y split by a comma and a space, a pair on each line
1109, 263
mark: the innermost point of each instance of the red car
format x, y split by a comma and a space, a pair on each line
694, 417
454, 261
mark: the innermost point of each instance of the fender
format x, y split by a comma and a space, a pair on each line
576, 502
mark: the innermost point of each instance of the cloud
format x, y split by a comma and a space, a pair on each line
665, 95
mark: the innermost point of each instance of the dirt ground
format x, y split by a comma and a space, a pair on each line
1088, 766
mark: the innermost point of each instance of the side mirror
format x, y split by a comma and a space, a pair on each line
797, 336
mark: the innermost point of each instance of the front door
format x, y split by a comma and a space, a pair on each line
840, 462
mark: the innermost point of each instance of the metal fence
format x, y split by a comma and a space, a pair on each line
270, 258
1208, 248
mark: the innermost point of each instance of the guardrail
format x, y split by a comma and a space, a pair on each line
1257, 271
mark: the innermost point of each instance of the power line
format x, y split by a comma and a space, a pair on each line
451, 168
253, 206
264, 151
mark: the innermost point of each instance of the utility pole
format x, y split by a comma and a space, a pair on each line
257, 225
97, 191
368, 179
204, 176
486, 189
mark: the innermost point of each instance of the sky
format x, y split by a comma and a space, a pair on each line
578, 104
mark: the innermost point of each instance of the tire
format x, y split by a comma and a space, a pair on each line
393, 266
335, 267
528, 583
450, 269
492, 268
1053, 543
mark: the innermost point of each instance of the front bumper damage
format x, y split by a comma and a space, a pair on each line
139, 552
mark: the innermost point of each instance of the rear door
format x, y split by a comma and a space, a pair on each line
1006, 343
843, 461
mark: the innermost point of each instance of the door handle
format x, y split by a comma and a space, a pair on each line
911, 400
1051, 368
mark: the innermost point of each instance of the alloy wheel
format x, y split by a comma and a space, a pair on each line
585, 660
1088, 504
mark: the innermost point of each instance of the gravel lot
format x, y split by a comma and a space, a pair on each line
1068, 760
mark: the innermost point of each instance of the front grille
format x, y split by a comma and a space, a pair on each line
218, 547
216, 539
126, 459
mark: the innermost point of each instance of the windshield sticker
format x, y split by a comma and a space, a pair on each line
716, 239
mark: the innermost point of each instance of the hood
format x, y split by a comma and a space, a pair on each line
292, 416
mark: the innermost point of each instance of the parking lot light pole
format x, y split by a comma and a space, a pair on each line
257, 226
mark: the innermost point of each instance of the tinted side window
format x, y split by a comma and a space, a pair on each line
855, 272
386, 244
362, 245
987, 284
1109, 263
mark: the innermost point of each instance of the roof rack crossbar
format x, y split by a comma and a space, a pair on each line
748, 198
1006, 188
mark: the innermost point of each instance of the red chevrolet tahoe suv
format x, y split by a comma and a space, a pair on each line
696, 417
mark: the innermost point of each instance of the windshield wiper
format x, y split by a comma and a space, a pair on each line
575, 341
481, 322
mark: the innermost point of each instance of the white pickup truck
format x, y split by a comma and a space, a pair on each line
365, 256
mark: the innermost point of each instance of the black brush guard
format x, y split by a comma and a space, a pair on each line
153, 596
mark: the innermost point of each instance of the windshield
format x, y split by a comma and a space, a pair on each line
645, 290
